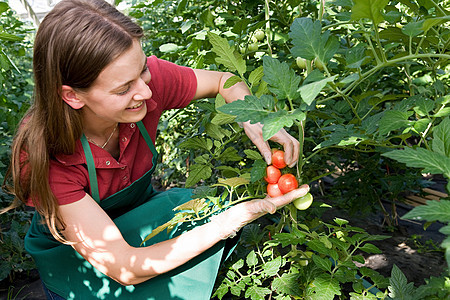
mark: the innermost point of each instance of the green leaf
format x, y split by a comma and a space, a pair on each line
413, 29
226, 54
394, 120
258, 170
323, 263
252, 259
325, 287
355, 56
287, 284
232, 81
221, 119
310, 91
250, 109
272, 267
370, 248
442, 112
309, 42
3, 7
399, 288
256, 75
433, 211
197, 143
230, 154
197, 173
233, 182
254, 292
275, 121
169, 47
428, 23
430, 162
441, 138
252, 154
282, 80
423, 106
368, 9
10, 37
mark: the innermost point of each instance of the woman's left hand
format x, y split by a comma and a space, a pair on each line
290, 144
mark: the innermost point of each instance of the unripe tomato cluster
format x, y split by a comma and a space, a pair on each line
279, 184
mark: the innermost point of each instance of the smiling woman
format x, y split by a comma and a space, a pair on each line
95, 204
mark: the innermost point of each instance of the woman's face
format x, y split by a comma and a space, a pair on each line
119, 92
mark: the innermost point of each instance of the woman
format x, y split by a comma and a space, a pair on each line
83, 157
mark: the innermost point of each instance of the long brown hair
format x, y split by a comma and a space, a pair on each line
74, 43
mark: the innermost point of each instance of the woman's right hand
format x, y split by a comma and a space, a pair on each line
232, 220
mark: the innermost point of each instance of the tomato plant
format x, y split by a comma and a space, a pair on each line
304, 202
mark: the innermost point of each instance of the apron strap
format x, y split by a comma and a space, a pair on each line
91, 168
91, 165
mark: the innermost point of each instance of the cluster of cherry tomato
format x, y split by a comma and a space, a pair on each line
279, 184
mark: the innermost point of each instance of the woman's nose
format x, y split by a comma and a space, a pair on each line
143, 92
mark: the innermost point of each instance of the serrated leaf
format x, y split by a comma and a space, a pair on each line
258, 170
198, 172
249, 109
433, 211
369, 9
370, 248
251, 259
323, 263
197, 143
272, 267
232, 81
256, 75
423, 106
441, 138
254, 292
430, 162
394, 120
275, 121
399, 287
325, 287
226, 54
222, 119
234, 182
309, 42
282, 80
310, 91
355, 56
442, 112
287, 284
252, 154
230, 154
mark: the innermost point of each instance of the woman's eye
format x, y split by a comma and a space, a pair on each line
124, 92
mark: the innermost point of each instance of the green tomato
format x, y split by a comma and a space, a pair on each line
301, 62
304, 202
319, 64
259, 35
253, 47
305, 258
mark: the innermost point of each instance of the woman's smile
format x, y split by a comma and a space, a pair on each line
137, 105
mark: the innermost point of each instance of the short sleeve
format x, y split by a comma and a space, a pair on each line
68, 183
173, 86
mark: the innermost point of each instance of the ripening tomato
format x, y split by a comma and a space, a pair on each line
273, 190
272, 174
287, 183
278, 159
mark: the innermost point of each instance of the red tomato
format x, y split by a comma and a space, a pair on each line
278, 159
273, 190
272, 174
287, 183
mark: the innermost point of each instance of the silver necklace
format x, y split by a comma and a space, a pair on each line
106, 143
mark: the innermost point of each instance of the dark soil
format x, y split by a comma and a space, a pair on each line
411, 248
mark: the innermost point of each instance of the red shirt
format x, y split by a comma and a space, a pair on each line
172, 86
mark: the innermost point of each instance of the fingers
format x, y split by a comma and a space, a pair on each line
291, 146
254, 133
287, 198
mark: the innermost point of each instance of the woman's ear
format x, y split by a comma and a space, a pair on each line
71, 97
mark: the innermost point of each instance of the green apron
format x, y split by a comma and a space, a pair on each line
136, 210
